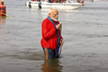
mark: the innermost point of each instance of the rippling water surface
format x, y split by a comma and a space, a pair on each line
85, 32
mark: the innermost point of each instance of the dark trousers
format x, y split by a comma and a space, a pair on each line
49, 53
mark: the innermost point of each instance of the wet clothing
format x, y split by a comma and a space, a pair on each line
51, 53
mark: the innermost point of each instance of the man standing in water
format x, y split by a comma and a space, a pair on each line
2, 9
51, 41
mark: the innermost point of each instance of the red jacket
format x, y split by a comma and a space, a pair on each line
33, 0
49, 34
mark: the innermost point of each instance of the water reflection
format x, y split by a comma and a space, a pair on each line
52, 65
2, 19
2, 28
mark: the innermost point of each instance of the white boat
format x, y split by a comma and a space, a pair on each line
47, 5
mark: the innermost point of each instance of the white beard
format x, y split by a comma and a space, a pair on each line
55, 19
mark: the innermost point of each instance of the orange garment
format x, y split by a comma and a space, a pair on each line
2, 10
83, 3
77, 1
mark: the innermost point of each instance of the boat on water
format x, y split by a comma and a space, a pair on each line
67, 5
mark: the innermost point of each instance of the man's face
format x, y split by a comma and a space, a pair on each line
54, 15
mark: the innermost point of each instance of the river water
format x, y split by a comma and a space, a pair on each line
85, 33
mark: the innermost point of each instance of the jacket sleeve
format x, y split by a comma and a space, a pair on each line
61, 37
60, 33
46, 33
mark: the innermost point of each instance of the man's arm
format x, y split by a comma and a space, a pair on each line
45, 32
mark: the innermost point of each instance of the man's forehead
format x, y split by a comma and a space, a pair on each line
55, 12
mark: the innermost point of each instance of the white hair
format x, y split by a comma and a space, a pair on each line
50, 10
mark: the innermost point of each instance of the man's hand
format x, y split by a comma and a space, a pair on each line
61, 42
58, 26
